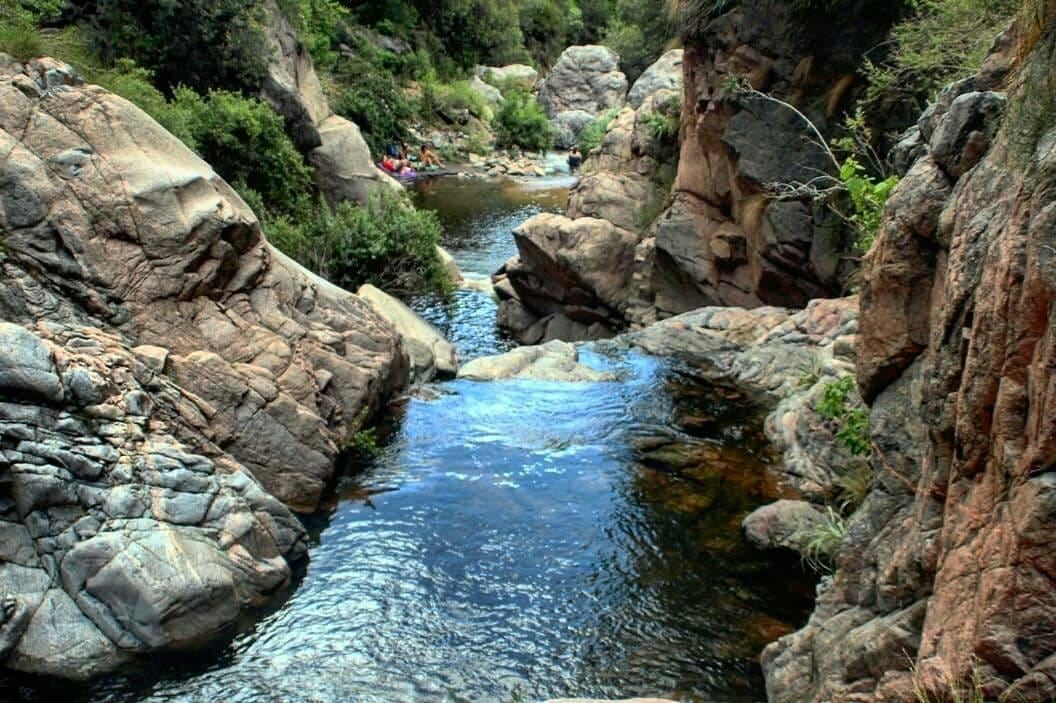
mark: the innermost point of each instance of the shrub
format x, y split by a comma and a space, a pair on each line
522, 122
836, 405
20, 37
591, 137
388, 242
945, 40
245, 141
370, 95
663, 128
823, 541
868, 196
204, 44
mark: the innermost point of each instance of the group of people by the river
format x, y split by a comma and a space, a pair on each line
401, 161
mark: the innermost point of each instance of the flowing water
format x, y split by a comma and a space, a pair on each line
520, 540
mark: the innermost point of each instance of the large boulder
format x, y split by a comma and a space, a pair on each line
586, 78
344, 167
585, 82
665, 74
170, 386
520, 75
430, 354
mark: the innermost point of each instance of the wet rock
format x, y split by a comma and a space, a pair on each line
161, 366
450, 265
554, 361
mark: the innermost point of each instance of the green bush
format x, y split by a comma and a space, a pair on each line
203, 44
868, 195
836, 404
943, 41
371, 96
521, 122
591, 137
388, 242
19, 35
246, 142
824, 541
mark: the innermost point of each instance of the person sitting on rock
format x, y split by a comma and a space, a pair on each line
428, 157
575, 159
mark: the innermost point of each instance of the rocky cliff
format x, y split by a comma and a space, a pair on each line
718, 236
170, 385
946, 573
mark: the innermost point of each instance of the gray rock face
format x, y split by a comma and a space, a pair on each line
26, 366
170, 386
665, 74
492, 96
585, 82
553, 361
586, 78
569, 125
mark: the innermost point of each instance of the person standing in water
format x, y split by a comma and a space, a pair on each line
575, 159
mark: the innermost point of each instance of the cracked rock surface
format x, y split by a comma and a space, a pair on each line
171, 387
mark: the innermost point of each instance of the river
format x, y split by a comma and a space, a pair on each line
518, 540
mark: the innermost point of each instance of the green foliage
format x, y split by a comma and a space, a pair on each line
836, 404
362, 443
639, 32
387, 243
246, 142
868, 195
203, 44
446, 99
318, 25
591, 137
943, 41
823, 541
20, 37
371, 96
663, 128
521, 122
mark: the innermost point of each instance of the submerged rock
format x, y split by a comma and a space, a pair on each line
554, 361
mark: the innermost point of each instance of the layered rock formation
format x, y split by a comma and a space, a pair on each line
573, 277
946, 573
344, 167
168, 382
724, 240
585, 82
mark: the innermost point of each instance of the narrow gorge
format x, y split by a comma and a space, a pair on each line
755, 403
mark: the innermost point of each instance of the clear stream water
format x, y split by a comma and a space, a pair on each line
518, 540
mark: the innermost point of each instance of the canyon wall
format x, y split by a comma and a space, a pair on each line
713, 234
946, 572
